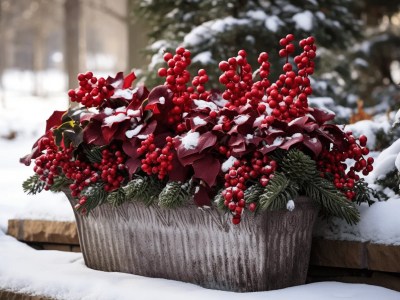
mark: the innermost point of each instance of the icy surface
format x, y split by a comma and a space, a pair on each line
63, 275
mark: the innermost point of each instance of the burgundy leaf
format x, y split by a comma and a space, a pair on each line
54, 120
116, 82
159, 92
201, 196
207, 169
130, 147
297, 138
313, 144
206, 140
129, 80
132, 165
178, 172
321, 116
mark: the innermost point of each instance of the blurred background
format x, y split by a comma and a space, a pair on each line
44, 44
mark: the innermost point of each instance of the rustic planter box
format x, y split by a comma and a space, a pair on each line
266, 251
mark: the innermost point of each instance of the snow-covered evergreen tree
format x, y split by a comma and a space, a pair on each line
214, 30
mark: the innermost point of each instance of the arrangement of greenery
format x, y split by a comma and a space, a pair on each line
255, 145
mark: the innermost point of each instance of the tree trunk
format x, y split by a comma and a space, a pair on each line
74, 41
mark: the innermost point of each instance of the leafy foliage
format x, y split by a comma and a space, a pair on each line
60, 182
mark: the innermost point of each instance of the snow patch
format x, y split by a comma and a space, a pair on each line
290, 205
199, 121
108, 111
228, 164
203, 58
304, 20
273, 23
241, 119
205, 104
162, 100
131, 133
191, 140
109, 121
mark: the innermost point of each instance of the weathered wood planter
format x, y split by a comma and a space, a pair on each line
266, 251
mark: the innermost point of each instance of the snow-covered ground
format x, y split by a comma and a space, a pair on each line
63, 275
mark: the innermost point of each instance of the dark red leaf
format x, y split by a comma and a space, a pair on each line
321, 116
54, 120
313, 144
201, 197
129, 80
132, 165
207, 169
116, 82
293, 140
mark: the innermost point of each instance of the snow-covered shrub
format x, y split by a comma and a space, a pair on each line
256, 145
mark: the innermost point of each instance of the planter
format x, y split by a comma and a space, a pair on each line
269, 250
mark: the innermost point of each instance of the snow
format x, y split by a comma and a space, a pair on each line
397, 118
203, 58
241, 119
273, 23
228, 164
191, 140
162, 100
304, 20
131, 133
290, 205
108, 111
369, 128
26, 116
109, 121
63, 275
205, 104
123, 93
199, 121
385, 162
373, 226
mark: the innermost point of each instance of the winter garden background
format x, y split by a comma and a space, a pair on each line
45, 44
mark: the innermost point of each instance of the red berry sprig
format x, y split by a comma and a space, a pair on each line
333, 162
260, 168
156, 161
92, 91
112, 168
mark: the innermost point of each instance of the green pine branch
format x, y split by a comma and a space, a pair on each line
96, 195
93, 154
278, 192
331, 200
33, 185
117, 197
60, 183
173, 195
299, 167
253, 193
145, 189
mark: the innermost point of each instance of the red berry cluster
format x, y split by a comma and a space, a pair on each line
287, 97
333, 162
238, 80
198, 82
81, 173
177, 77
47, 165
112, 168
92, 91
260, 168
157, 161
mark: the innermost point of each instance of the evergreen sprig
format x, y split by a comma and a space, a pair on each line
278, 192
33, 185
60, 183
331, 200
299, 167
173, 195
219, 200
93, 154
117, 197
96, 195
145, 189
253, 193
